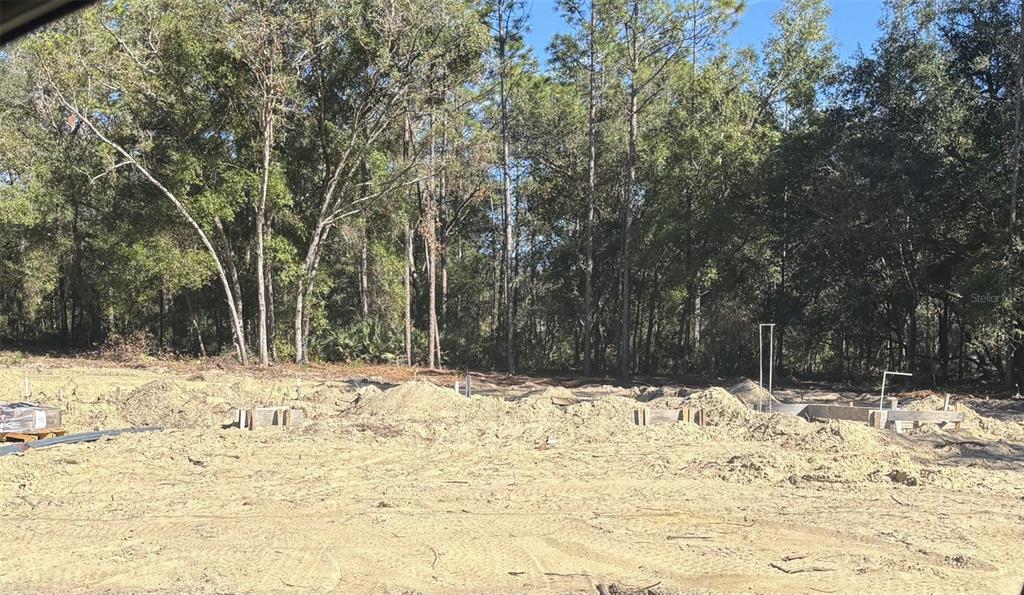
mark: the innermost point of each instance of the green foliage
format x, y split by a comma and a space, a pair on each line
370, 341
863, 207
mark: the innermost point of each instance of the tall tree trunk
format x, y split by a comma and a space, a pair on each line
303, 289
625, 357
267, 125
444, 288
238, 331
162, 298
629, 196
496, 295
588, 283
429, 231
300, 308
651, 315
63, 289
229, 263
696, 324
780, 343
306, 312
506, 186
912, 333
364, 285
442, 236
944, 338
1014, 343
271, 308
1018, 123
409, 264
432, 338
195, 325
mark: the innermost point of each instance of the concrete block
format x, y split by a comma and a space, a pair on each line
259, 417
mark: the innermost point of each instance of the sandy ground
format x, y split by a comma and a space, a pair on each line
419, 489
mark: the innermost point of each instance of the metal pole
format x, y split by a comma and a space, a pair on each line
760, 366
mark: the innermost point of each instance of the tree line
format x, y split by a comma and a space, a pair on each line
400, 180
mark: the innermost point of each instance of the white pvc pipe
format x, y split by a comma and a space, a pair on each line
760, 366
885, 375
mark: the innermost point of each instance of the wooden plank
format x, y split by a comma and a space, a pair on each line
31, 436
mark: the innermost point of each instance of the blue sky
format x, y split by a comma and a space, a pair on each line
853, 22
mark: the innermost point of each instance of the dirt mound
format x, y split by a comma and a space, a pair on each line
415, 400
749, 392
168, 404
651, 393
975, 424
720, 407
368, 393
424, 411
833, 436
923, 400
790, 430
558, 395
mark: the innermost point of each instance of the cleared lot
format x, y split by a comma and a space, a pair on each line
420, 489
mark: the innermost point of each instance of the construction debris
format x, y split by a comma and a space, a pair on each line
19, 448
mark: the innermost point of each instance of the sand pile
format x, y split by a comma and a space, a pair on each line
923, 400
749, 392
719, 406
558, 395
411, 400
981, 426
651, 393
420, 410
168, 404
975, 424
832, 436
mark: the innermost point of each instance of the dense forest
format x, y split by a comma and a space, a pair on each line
400, 180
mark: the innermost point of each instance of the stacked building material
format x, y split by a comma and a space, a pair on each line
646, 416
28, 418
259, 417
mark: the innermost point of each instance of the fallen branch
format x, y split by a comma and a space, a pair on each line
946, 442
798, 570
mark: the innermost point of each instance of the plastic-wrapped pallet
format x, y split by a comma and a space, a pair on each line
28, 417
